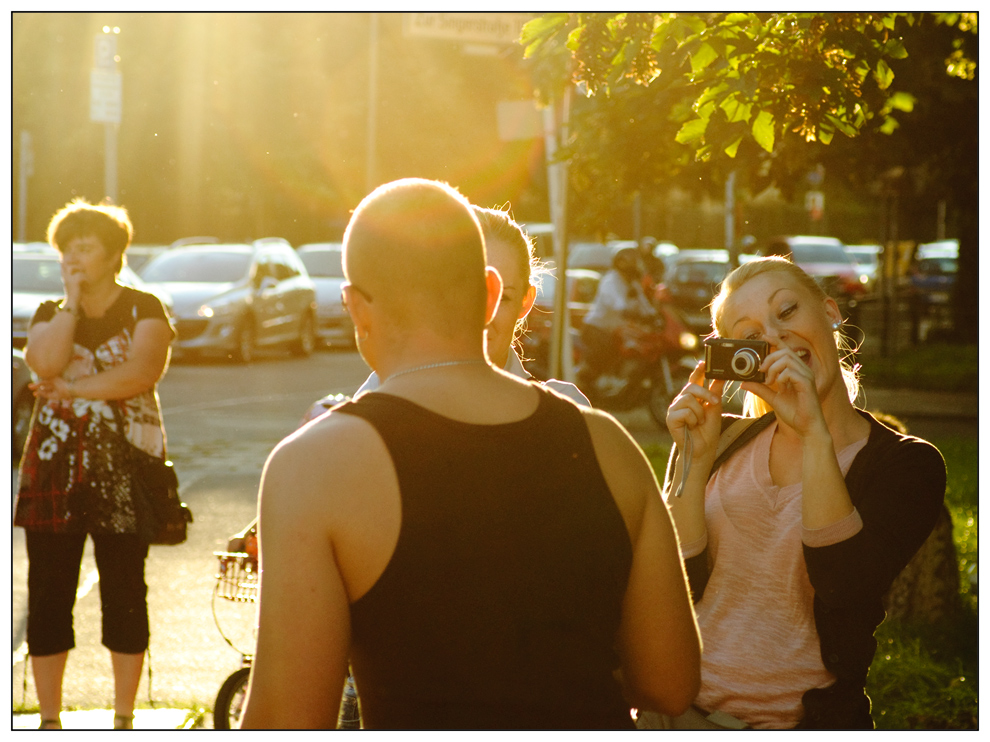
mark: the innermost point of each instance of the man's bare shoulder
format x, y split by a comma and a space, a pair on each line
335, 447
624, 465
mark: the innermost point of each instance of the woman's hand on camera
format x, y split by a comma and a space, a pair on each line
698, 410
790, 389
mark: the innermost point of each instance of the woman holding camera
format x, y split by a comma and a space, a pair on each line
792, 542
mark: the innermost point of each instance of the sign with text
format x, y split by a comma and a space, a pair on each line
488, 28
106, 96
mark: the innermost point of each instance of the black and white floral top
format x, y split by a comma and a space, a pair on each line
72, 475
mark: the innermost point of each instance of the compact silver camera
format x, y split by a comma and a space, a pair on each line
735, 360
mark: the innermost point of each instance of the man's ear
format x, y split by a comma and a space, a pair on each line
528, 301
357, 307
493, 282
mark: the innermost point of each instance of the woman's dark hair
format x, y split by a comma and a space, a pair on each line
109, 224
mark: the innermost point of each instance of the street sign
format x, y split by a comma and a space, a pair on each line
485, 28
105, 52
106, 96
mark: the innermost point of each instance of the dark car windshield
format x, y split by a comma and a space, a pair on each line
702, 272
820, 253
936, 266
198, 267
323, 263
37, 276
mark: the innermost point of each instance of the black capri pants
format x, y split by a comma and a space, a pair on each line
53, 574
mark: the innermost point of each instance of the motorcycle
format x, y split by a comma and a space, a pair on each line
652, 365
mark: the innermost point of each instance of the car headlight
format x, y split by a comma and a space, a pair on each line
213, 310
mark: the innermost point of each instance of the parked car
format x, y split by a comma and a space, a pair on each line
582, 285
828, 263
592, 256
324, 263
233, 298
691, 282
867, 257
36, 276
932, 278
22, 402
139, 255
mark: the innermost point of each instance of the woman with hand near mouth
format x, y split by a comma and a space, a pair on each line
792, 542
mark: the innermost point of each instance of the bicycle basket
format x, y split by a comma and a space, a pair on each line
237, 577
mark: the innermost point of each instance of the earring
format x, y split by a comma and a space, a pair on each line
836, 326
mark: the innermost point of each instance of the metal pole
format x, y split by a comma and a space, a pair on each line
24, 171
372, 104
730, 220
110, 158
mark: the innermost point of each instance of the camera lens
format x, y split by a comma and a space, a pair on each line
745, 362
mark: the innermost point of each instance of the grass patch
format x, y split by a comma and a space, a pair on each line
937, 367
927, 677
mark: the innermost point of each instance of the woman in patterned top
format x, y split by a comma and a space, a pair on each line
102, 345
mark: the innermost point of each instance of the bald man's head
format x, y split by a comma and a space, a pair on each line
416, 247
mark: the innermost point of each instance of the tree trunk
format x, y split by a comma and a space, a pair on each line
927, 590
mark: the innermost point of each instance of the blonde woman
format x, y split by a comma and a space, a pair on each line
792, 542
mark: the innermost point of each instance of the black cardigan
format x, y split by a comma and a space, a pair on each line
897, 483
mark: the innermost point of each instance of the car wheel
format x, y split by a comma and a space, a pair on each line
305, 344
246, 338
23, 409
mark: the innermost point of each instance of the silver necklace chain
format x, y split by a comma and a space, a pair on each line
435, 365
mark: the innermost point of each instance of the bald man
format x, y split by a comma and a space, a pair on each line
484, 553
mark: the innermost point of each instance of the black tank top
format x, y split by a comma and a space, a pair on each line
500, 605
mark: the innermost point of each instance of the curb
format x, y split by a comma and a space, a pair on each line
914, 403
102, 719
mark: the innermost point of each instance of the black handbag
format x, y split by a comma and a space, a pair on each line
162, 517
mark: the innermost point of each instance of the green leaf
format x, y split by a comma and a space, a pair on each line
825, 133
703, 57
884, 75
889, 126
735, 110
733, 147
763, 130
541, 27
894, 48
843, 126
692, 131
693, 22
902, 101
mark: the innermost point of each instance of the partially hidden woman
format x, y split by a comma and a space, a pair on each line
509, 251
793, 541
102, 345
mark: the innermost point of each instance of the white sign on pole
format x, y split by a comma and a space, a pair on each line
490, 28
106, 96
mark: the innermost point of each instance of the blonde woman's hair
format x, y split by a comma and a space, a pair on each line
753, 406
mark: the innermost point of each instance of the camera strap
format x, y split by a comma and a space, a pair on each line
737, 432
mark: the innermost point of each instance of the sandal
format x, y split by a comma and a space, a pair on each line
55, 723
121, 721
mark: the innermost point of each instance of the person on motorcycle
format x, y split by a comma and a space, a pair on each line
620, 299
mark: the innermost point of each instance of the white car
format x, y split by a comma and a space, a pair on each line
36, 276
324, 263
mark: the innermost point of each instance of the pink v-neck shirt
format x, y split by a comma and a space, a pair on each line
761, 647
